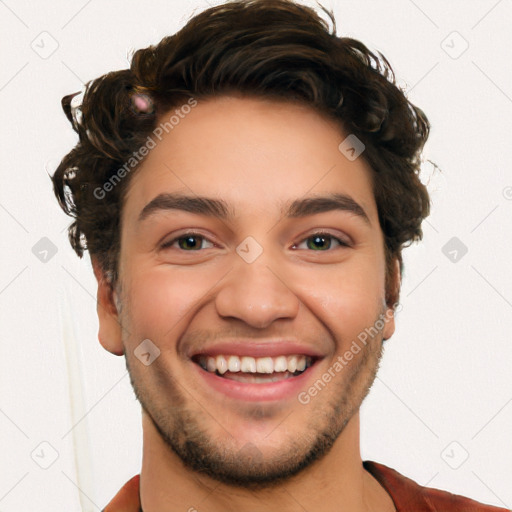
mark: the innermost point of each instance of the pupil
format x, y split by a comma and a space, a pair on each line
317, 240
189, 242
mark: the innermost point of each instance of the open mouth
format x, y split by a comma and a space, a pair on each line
255, 370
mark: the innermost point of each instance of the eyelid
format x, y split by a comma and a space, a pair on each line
343, 240
319, 232
184, 234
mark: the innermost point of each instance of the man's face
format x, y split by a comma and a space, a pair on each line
259, 283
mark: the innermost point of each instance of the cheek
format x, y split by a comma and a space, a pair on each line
347, 299
161, 298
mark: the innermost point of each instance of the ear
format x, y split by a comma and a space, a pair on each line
392, 295
109, 333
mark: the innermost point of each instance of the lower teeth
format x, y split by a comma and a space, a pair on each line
256, 378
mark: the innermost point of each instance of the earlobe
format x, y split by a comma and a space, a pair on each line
389, 327
392, 283
109, 333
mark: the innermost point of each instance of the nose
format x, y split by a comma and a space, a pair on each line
257, 294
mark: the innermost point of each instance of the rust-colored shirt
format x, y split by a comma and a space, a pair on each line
406, 494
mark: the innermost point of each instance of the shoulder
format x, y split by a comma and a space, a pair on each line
408, 495
127, 499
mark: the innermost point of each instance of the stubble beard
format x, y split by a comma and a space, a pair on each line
184, 429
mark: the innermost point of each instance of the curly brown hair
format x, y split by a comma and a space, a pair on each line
264, 48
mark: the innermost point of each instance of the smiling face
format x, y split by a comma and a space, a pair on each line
250, 250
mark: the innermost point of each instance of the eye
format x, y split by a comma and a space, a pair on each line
321, 241
188, 242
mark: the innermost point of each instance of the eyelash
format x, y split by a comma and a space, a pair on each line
190, 234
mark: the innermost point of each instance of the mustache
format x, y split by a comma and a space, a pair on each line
195, 340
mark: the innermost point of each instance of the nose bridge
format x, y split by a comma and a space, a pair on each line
255, 291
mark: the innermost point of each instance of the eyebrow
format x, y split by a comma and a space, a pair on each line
219, 209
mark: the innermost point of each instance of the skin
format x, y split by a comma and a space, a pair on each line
254, 154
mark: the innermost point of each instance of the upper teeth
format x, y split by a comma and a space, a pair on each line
248, 364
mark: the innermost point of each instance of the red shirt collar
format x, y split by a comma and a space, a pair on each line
406, 494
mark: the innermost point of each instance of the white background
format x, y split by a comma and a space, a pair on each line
444, 390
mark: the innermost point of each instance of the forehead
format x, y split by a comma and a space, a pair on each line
256, 155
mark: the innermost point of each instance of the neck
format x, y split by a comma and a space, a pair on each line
338, 482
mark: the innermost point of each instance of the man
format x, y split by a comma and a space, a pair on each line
245, 190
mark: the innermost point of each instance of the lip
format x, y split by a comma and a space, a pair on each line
250, 348
251, 392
